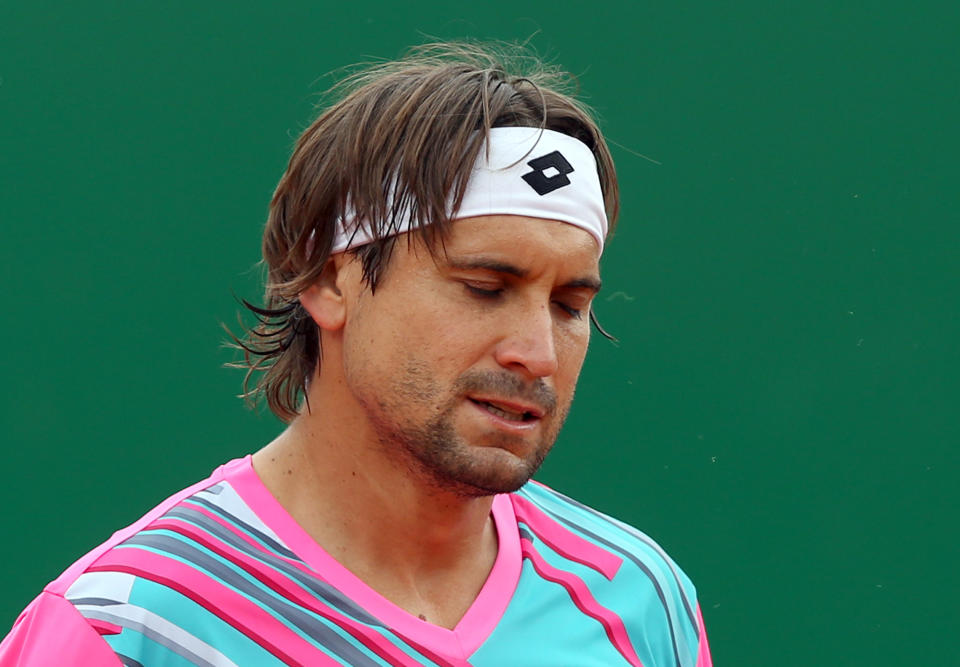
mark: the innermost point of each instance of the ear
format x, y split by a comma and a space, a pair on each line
324, 300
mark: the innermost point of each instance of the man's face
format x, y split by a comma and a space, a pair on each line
465, 363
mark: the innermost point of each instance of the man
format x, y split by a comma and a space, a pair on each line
433, 252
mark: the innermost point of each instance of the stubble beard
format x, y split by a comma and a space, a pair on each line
443, 459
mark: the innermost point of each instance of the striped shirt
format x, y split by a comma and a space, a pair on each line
220, 574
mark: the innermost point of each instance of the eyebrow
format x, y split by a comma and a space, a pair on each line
496, 266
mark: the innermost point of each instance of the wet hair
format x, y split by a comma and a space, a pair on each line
395, 138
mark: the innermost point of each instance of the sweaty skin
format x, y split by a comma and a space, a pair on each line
447, 385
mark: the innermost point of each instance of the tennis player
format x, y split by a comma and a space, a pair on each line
433, 252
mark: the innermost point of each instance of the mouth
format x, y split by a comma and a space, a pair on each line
510, 411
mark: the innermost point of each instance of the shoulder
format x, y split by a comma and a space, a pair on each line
650, 589
48, 630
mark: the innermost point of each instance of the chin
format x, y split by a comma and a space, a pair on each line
486, 473
458, 459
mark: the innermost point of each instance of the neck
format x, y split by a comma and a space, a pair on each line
426, 549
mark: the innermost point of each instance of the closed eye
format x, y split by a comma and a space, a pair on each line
492, 293
483, 292
569, 310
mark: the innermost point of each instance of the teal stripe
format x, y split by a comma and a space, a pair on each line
199, 622
144, 650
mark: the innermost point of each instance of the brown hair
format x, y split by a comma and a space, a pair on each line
401, 138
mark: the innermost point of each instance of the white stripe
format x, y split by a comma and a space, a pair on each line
158, 629
107, 585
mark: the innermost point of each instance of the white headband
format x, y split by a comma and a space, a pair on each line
520, 171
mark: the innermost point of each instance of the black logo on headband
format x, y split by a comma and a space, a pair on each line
549, 173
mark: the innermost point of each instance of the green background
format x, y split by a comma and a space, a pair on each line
781, 410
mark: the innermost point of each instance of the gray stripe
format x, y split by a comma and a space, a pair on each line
96, 602
525, 534
688, 605
318, 587
315, 629
149, 633
650, 575
216, 489
127, 661
260, 535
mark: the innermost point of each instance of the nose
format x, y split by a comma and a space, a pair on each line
530, 343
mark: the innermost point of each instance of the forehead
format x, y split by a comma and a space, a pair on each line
536, 241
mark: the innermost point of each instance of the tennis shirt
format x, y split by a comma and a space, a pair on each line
220, 574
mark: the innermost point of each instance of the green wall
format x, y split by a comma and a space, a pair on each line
781, 410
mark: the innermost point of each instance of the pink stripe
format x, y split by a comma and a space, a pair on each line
104, 627
585, 602
244, 615
271, 578
563, 541
703, 658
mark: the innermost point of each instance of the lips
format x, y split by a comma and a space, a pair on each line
509, 410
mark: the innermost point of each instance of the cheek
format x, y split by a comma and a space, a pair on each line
573, 341
571, 353
371, 346
403, 336
445, 332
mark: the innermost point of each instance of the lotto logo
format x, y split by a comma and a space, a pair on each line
549, 173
